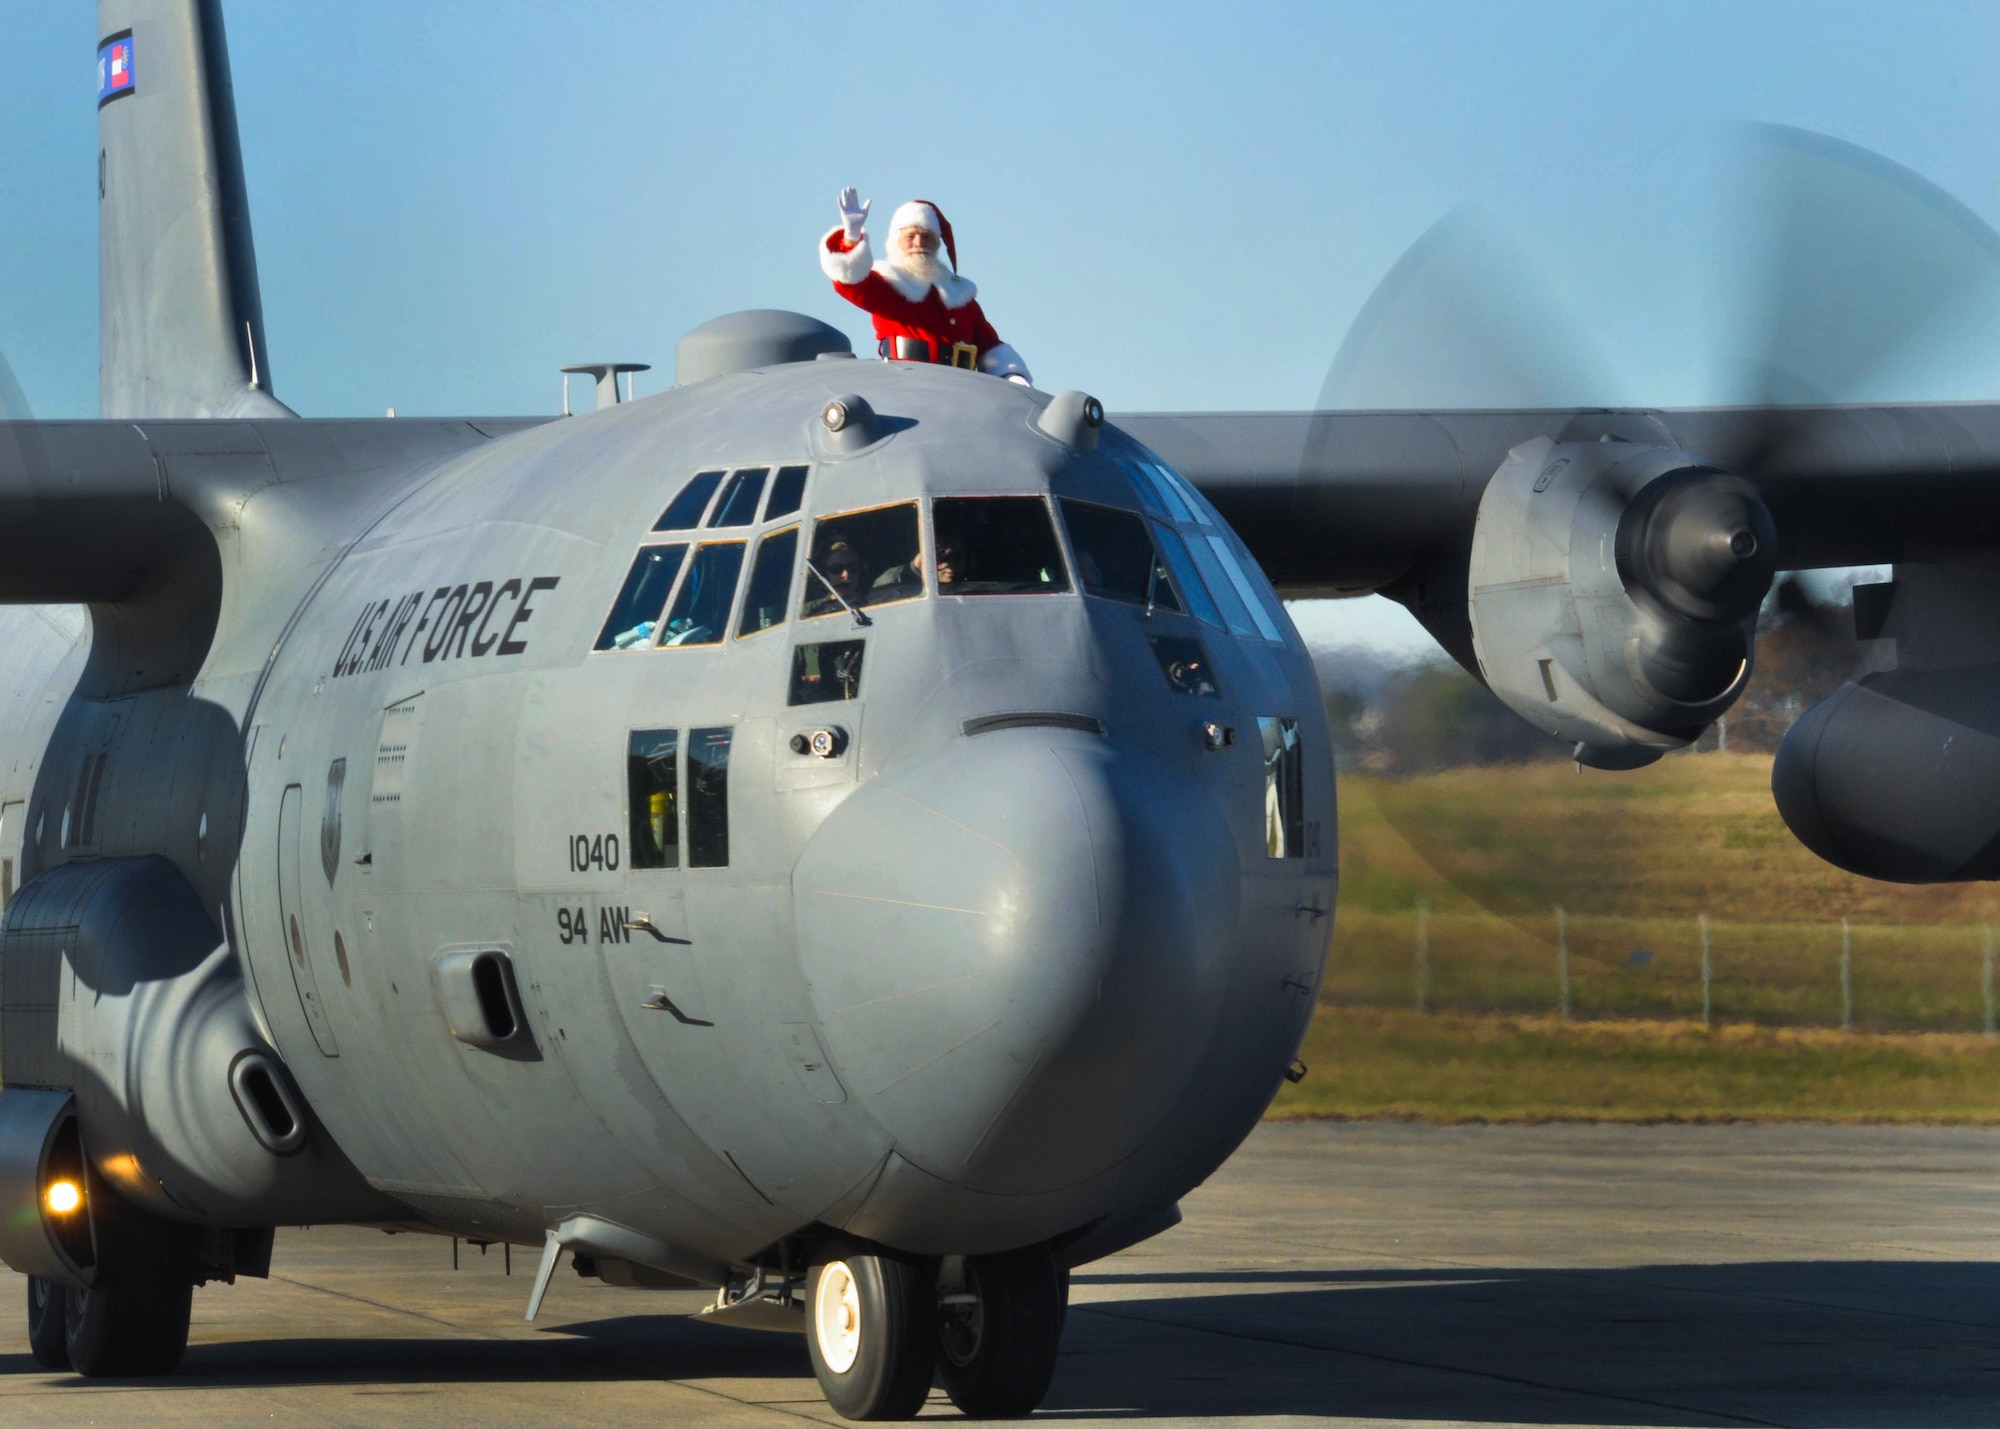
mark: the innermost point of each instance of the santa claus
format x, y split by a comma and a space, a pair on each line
923, 310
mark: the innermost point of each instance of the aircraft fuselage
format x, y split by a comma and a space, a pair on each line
983, 916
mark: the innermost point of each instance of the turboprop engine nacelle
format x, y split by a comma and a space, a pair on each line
1613, 592
1896, 775
127, 1020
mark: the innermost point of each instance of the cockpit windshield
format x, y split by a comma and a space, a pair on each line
996, 545
863, 558
701, 610
1115, 556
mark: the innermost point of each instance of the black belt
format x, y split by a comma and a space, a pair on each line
917, 349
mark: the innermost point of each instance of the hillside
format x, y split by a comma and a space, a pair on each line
1692, 834
1451, 969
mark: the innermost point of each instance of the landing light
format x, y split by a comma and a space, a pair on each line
63, 1197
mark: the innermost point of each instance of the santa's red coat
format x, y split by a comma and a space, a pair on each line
937, 314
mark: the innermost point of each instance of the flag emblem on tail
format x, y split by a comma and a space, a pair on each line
114, 68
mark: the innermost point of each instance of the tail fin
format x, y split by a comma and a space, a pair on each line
181, 323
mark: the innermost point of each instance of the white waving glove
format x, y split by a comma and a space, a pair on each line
853, 214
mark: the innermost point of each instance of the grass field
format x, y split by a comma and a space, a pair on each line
1691, 834
1454, 1013
1449, 1067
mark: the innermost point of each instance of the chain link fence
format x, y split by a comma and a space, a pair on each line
1591, 966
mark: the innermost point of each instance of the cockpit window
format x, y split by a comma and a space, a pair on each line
738, 506
701, 610
1255, 591
1115, 558
1174, 481
996, 545
1284, 788
788, 489
653, 798
1167, 489
637, 610
770, 582
829, 670
1185, 575
1216, 575
708, 797
866, 557
685, 513
1234, 615
1164, 495
1231, 588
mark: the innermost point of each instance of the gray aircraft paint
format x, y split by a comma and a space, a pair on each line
1011, 965
1151, 987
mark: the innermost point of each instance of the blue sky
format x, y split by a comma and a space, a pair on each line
1171, 206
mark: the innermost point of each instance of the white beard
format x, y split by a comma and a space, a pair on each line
915, 275
925, 268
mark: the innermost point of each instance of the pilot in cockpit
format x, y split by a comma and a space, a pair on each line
907, 577
840, 567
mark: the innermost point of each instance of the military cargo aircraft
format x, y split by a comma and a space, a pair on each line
857, 836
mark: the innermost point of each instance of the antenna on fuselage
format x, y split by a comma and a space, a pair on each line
607, 374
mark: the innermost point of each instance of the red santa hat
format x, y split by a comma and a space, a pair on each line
922, 213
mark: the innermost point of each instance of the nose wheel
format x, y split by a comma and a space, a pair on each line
1000, 1320
871, 1331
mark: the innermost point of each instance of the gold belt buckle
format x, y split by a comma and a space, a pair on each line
964, 354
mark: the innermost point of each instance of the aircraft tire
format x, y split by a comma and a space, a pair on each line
871, 1329
997, 1358
48, 1309
134, 1318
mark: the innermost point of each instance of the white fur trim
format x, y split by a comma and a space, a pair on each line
1003, 361
955, 291
849, 267
915, 215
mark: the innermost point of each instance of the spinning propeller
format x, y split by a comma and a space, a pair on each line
1840, 268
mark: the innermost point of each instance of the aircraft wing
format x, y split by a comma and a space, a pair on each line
89, 510
1602, 572
1344, 502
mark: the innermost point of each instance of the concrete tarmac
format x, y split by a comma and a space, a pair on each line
1350, 1274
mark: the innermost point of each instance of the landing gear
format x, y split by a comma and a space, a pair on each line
871, 1329
134, 1318
998, 1328
48, 1307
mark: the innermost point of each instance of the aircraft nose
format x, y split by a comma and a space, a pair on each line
1017, 948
